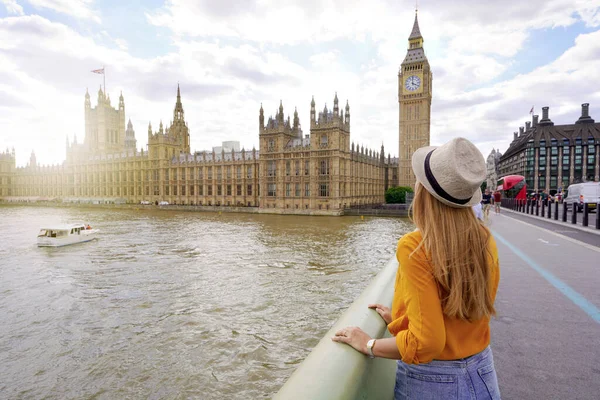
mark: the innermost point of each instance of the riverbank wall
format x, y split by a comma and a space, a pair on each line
372, 212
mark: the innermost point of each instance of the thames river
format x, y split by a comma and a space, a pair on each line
175, 305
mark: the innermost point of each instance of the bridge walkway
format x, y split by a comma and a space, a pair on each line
546, 337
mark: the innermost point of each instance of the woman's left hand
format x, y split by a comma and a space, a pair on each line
354, 337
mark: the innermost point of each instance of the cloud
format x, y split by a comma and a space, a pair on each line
231, 56
12, 7
76, 8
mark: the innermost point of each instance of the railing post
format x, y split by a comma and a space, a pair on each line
574, 214
556, 210
585, 215
564, 212
543, 208
537, 207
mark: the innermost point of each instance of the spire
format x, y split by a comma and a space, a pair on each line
347, 121
178, 110
261, 118
335, 104
280, 115
129, 124
87, 102
296, 119
312, 103
416, 32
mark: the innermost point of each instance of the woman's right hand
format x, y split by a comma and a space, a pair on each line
383, 311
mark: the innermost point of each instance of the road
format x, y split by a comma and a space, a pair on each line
546, 335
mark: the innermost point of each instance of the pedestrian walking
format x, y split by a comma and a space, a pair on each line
445, 286
497, 201
487, 203
478, 210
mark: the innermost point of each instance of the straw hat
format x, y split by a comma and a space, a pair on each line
452, 173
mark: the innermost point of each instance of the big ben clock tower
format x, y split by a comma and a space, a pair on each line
414, 97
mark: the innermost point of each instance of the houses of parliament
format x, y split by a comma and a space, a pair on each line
322, 172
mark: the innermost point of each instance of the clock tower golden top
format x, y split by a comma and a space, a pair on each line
415, 51
414, 98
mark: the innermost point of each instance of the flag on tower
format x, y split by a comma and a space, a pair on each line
530, 111
98, 71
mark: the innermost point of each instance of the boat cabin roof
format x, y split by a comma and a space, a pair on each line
64, 227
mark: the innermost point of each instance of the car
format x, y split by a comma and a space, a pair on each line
145, 202
163, 203
587, 193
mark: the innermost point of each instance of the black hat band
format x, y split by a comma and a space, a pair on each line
436, 186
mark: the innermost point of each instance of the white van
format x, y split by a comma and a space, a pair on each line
584, 193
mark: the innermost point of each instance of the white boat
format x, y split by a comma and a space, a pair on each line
65, 235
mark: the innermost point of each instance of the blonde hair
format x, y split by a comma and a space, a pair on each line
456, 244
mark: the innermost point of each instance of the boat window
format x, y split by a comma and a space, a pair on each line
43, 232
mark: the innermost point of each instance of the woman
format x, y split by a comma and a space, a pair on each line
445, 285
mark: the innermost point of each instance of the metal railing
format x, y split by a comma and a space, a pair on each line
554, 210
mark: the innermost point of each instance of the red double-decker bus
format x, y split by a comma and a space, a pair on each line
513, 187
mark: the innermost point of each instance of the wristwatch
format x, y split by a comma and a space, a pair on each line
370, 345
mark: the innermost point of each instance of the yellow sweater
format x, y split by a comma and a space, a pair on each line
422, 331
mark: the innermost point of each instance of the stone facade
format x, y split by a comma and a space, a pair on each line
415, 82
320, 173
551, 157
493, 169
7, 172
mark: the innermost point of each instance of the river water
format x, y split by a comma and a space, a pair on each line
175, 305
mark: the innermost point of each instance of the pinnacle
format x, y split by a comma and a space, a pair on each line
416, 32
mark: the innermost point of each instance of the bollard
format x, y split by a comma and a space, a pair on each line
528, 204
564, 212
556, 211
543, 208
597, 215
549, 210
585, 215
537, 208
574, 214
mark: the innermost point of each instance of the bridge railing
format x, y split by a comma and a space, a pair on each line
554, 210
336, 371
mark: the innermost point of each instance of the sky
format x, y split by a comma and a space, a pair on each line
492, 61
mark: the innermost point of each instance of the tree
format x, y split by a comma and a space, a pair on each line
397, 194
483, 186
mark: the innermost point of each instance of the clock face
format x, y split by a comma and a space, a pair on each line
412, 83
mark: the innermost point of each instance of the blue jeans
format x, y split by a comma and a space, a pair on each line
468, 378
